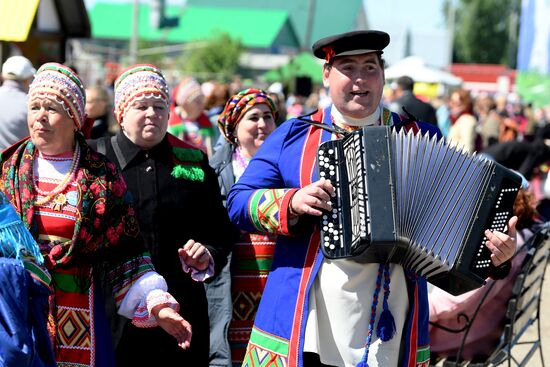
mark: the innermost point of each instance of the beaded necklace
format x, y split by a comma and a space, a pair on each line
57, 193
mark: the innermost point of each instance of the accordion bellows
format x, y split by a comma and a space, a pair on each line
414, 200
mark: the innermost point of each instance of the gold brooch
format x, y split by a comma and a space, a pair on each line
59, 201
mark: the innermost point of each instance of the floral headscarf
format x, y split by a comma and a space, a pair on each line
237, 106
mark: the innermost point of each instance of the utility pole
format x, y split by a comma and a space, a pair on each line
309, 28
451, 10
135, 34
513, 34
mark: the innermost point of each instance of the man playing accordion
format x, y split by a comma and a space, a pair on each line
316, 311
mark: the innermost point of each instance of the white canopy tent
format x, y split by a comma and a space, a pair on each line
415, 67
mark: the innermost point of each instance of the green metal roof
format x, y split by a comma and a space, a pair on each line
302, 65
331, 17
114, 21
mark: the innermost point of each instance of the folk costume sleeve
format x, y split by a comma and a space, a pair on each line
259, 200
137, 288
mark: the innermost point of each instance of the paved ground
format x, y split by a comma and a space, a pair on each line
531, 334
545, 325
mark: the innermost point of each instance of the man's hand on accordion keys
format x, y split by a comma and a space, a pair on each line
502, 245
312, 199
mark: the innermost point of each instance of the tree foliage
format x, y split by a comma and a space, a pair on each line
486, 31
217, 59
157, 59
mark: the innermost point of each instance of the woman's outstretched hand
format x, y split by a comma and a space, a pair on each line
173, 324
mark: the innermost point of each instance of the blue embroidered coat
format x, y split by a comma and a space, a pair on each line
259, 201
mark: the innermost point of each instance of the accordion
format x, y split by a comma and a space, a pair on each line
414, 200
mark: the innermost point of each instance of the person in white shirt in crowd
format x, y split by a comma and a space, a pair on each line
17, 73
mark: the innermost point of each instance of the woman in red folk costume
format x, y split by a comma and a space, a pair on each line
75, 204
246, 121
188, 120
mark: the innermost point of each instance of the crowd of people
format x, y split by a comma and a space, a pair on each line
178, 224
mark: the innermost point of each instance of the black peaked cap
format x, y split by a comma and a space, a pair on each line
350, 43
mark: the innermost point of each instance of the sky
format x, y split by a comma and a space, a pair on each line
421, 15
422, 20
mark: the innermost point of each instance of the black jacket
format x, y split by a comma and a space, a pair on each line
421, 110
522, 156
171, 211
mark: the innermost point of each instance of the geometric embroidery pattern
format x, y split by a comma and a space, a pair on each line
258, 357
264, 209
245, 305
423, 356
73, 329
266, 350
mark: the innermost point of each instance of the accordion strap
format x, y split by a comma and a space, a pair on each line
410, 118
333, 129
405, 120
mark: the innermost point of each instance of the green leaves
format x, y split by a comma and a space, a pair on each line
485, 31
218, 59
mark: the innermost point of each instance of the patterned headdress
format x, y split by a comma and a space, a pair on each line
237, 106
188, 91
64, 85
139, 81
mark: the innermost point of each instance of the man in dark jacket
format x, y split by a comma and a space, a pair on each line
522, 156
406, 99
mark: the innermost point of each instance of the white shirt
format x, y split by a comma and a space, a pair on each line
340, 302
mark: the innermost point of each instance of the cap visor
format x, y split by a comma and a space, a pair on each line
355, 52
